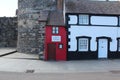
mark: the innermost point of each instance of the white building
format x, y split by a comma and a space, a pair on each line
93, 29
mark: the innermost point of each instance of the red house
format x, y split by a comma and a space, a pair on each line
55, 37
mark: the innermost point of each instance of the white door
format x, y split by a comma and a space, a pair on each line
102, 48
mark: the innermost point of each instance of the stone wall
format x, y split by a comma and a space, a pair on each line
32, 17
8, 31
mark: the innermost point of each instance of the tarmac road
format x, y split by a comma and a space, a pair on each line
20, 66
60, 76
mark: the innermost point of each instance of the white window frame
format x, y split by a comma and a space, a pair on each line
83, 44
84, 19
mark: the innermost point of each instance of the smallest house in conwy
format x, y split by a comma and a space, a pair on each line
55, 41
55, 37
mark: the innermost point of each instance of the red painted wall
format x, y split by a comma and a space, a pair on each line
60, 53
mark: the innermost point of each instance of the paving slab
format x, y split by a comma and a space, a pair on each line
4, 51
30, 63
18, 55
38, 66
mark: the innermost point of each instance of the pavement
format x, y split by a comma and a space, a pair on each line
30, 63
20, 56
6, 51
21, 66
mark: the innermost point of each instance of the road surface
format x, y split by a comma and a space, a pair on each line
60, 76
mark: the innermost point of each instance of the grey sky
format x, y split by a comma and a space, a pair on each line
8, 8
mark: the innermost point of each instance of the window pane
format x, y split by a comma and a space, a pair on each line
83, 44
57, 30
83, 19
53, 30
60, 46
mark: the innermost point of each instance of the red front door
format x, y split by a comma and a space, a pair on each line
51, 51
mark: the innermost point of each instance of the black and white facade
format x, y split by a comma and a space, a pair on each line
93, 29
92, 36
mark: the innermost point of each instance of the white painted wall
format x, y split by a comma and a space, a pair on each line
104, 20
73, 19
93, 31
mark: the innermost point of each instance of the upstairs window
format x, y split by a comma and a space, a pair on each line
55, 30
84, 19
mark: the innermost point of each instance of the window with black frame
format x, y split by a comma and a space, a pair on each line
83, 44
83, 19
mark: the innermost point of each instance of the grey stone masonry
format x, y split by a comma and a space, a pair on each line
32, 17
8, 31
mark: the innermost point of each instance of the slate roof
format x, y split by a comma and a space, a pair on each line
43, 16
56, 18
93, 7
83, 6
